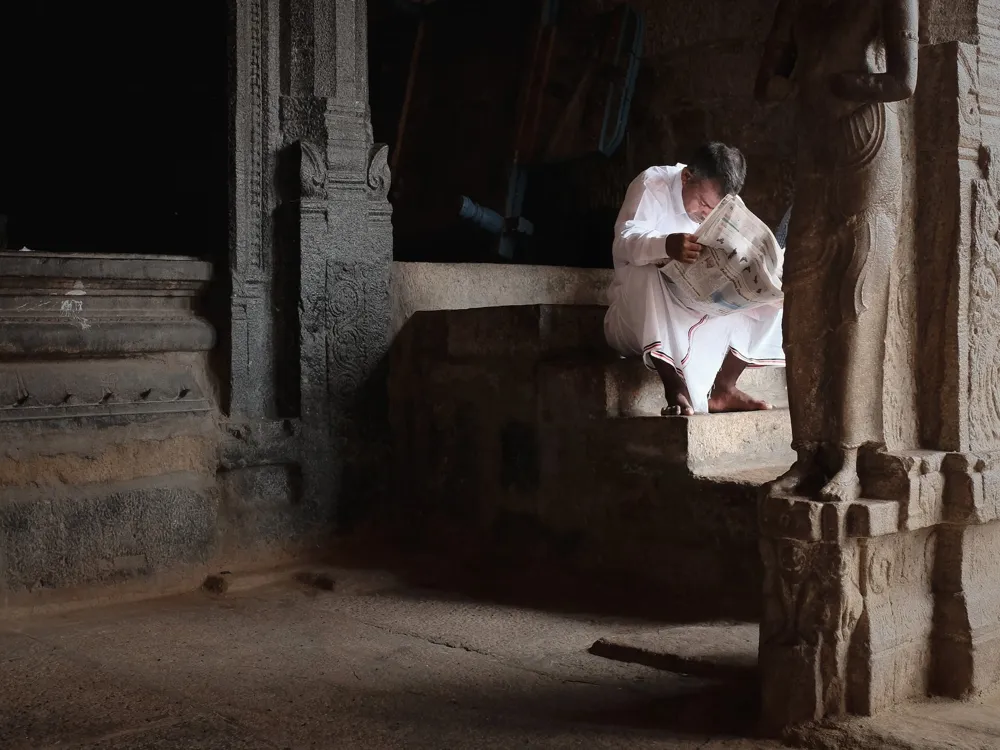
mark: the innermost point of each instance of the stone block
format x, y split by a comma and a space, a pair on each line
872, 518
889, 476
896, 582
510, 333
711, 437
101, 534
634, 390
790, 518
813, 615
807, 520
948, 21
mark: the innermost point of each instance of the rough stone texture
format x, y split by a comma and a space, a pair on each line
105, 533
933, 725
515, 429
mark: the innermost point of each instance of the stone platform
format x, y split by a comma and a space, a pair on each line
111, 437
517, 429
108, 421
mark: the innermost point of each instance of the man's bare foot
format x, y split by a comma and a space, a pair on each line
733, 399
845, 487
675, 390
678, 405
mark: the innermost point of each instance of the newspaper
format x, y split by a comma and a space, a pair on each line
739, 269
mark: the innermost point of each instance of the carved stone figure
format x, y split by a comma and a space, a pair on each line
845, 62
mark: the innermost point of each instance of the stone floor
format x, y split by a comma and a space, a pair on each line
377, 664
370, 665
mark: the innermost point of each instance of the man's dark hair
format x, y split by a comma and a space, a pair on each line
722, 163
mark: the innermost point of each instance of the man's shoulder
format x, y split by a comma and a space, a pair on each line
662, 172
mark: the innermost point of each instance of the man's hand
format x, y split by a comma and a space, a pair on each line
683, 248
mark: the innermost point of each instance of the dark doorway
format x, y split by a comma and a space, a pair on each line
114, 134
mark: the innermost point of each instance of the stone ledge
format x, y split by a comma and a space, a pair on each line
100, 305
902, 492
122, 388
131, 460
420, 287
803, 519
104, 269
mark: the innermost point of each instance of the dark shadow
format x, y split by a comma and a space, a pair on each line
472, 568
114, 137
287, 281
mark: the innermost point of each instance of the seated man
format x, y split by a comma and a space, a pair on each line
698, 357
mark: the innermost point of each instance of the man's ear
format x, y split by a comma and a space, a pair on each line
685, 176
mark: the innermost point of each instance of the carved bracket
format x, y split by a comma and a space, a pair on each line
312, 171
379, 174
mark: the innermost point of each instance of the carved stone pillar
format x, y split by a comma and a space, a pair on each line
310, 259
344, 233
897, 596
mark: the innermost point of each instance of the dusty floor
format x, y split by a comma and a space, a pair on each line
370, 665
377, 664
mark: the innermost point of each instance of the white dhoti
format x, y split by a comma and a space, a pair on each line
645, 319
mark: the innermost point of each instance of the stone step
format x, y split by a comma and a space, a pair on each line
636, 391
568, 332
580, 387
710, 445
520, 434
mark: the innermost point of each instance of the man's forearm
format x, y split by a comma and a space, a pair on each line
641, 248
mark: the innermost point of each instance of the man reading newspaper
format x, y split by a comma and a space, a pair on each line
697, 288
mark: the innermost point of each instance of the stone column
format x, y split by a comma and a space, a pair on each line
897, 596
310, 261
344, 234
254, 86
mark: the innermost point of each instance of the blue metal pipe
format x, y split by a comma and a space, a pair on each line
482, 217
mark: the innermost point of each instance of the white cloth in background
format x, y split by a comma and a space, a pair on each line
644, 318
